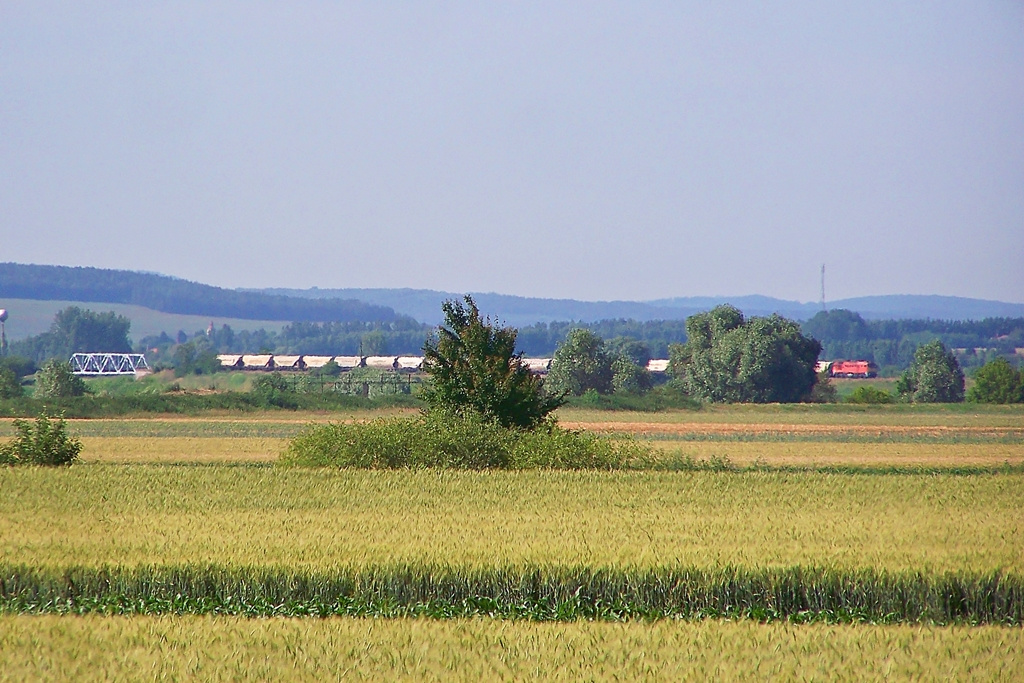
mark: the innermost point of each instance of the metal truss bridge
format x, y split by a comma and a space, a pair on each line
108, 363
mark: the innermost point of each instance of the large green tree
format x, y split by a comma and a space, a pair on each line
997, 382
935, 376
76, 330
473, 367
838, 324
581, 364
728, 358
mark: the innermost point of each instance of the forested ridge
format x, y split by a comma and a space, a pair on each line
173, 295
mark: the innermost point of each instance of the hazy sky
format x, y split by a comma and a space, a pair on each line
592, 150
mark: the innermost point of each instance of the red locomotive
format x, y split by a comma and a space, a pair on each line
853, 368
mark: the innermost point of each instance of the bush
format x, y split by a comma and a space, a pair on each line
274, 390
824, 391
466, 441
869, 395
19, 365
10, 386
997, 382
55, 380
46, 443
934, 376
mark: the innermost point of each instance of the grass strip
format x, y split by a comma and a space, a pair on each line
197, 404
688, 463
1012, 438
797, 594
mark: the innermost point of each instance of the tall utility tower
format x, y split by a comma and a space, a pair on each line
823, 288
3, 332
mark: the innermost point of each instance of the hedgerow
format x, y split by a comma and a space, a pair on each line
446, 440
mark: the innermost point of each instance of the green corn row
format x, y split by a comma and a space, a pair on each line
553, 593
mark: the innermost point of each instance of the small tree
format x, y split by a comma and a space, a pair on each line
997, 382
630, 378
473, 367
581, 364
10, 386
330, 369
626, 347
273, 389
934, 376
55, 380
824, 391
45, 443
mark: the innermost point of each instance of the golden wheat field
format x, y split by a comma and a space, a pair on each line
204, 490
221, 648
146, 514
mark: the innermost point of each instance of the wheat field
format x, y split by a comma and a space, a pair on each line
223, 648
129, 515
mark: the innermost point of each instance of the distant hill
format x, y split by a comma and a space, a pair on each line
889, 307
425, 305
173, 295
30, 317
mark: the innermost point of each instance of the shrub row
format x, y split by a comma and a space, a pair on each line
665, 397
191, 404
467, 441
549, 593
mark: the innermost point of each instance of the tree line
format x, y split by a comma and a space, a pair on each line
727, 358
843, 334
891, 344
